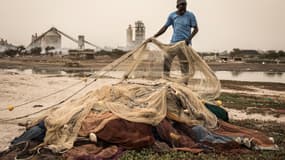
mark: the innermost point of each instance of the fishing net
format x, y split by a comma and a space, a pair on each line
147, 103
156, 81
173, 62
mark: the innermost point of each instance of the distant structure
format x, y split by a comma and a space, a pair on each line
53, 37
139, 35
129, 36
49, 39
3, 42
81, 42
4, 45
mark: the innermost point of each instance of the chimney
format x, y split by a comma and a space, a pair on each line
81, 42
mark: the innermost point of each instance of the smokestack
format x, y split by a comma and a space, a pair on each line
129, 35
81, 41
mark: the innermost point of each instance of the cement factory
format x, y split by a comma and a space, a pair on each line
52, 38
51, 41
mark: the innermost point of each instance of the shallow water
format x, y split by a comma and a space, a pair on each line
276, 77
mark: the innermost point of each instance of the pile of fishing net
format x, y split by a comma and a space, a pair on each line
159, 101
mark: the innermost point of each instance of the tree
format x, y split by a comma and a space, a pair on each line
235, 52
11, 52
281, 53
21, 50
48, 48
36, 51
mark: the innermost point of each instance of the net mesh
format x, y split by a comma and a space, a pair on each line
158, 81
154, 60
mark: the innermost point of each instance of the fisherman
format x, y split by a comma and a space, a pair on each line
185, 27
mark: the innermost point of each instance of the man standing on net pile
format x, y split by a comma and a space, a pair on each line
183, 22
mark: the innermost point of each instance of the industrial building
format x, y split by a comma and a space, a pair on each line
53, 39
50, 39
4, 45
139, 35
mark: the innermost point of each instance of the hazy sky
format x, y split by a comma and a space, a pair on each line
224, 24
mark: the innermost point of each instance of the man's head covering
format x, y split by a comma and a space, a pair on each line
181, 2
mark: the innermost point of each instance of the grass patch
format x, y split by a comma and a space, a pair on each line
244, 101
151, 155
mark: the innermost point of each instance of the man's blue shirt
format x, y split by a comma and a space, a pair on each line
181, 25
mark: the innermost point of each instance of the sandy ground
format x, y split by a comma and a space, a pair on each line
17, 88
255, 91
241, 115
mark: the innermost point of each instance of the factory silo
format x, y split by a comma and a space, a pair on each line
139, 32
129, 36
81, 42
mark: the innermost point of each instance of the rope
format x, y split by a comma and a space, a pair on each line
43, 97
52, 106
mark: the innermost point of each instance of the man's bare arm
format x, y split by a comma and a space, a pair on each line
195, 31
161, 31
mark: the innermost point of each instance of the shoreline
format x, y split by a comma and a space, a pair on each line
19, 88
55, 64
239, 97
